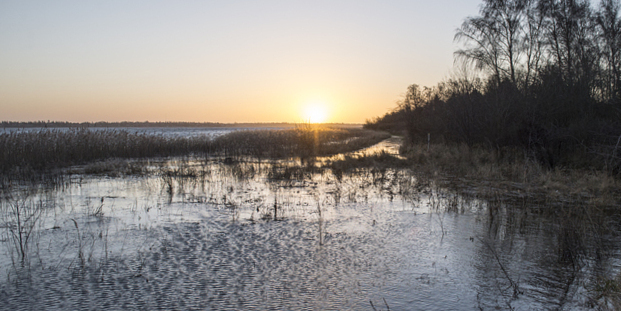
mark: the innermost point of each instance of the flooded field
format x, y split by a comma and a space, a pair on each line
161, 131
226, 235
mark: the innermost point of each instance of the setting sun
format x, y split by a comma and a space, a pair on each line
315, 113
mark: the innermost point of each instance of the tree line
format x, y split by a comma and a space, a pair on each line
543, 76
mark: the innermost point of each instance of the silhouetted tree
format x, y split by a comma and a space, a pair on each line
497, 37
549, 71
609, 26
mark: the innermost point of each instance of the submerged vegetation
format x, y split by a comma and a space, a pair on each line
362, 215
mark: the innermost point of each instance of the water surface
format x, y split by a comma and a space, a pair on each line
203, 234
187, 132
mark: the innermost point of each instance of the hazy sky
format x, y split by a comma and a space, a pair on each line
219, 61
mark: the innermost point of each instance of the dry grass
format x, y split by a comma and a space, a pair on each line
513, 171
27, 154
461, 160
304, 141
47, 149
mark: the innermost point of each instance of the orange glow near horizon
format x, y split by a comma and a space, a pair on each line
315, 113
219, 61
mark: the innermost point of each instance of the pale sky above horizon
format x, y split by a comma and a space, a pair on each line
220, 61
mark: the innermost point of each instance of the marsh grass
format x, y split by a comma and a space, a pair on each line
513, 172
26, 155
114, 168
291, 172
380, 160
47, 149
305, 142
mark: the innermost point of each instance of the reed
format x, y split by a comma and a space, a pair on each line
48, 149
27, 154
303, 141
380, 160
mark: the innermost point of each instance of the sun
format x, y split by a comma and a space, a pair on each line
315, 113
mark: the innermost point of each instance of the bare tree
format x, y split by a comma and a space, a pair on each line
533, 41
567, 35
609, 34
416, 97
495, 39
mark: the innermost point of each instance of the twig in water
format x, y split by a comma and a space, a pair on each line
80, 253
515, 285
387, 307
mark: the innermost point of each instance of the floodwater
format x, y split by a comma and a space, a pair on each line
204, 234
210, 132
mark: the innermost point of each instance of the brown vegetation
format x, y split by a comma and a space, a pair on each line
513, 173
303, 141
27, 154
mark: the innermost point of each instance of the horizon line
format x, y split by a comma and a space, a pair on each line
48, 123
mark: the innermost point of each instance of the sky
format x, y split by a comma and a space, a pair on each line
220, 61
